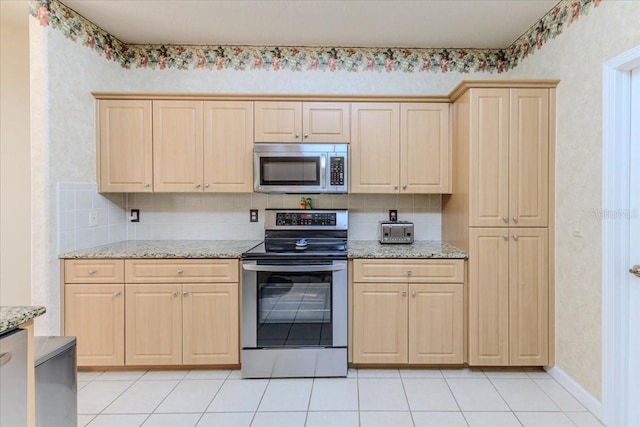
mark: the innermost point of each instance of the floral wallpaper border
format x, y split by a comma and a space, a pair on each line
77, 28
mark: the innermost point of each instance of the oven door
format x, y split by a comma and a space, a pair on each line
294, 304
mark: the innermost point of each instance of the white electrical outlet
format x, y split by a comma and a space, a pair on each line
93, 219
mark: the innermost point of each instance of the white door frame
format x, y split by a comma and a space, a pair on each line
615, 234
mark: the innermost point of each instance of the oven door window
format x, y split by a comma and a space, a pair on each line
294, 310
295, 171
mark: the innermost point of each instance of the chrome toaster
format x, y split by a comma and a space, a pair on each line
395, 232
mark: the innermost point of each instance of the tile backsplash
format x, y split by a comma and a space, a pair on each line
173, 216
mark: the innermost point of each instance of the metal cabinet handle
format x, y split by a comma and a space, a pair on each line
505, 236
5, 358
515, 219
409, 272
306, 135
206, 186
404, 293
505, 219
175, 293
180, 271
635, 270
198, 185
515, 237
404, 187
147, 185
117, 293
185, 293
92, 272
297, 135
414, 293
395, 187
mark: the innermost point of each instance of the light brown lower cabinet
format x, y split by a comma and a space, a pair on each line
173, 324
414, 323
508, 297
167, 312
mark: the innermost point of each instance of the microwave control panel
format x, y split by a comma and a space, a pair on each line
337, 170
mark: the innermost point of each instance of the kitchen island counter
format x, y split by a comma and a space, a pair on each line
417, 249
165, 249
14, 316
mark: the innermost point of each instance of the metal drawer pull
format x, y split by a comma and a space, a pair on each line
515, 219
635, 270
175, 293
409, 272
116, 293
505, 218
306, 135
515, 237
92, 272
505, 236
180, 271
404, 293
292, 269
185, 293
4, 358
297, 135
414, 293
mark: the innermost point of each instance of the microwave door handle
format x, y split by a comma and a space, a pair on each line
324, 171
293, 269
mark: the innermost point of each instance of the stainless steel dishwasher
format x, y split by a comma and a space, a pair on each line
13, 378
56, 382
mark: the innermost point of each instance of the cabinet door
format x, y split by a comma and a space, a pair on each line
228, 146
489, 158
528, 297
375, 148
325, 122
529, 157
436, 323
124, 146
489, 296
278, 121
210, 327
94, 314
425, 148
380, 323
177, 146
153, 326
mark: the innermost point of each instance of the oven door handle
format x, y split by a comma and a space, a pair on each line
293, 269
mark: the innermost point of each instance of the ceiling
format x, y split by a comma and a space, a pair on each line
346, 23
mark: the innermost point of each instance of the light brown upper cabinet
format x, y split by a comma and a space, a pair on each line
400, 148
203, 146
293, 122
509, 157
124, 134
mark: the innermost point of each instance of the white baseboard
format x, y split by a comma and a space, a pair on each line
583, 396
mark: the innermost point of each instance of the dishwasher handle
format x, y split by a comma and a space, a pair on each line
5, 358
292, 268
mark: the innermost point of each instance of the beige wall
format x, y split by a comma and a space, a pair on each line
15, 205
576, 58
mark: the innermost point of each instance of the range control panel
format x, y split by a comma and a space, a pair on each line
306, 219
303, 218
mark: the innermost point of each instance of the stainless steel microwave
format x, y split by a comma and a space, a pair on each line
300, 168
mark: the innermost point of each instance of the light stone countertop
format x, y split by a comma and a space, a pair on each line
14, 316
417, 249
166, 249
235, 248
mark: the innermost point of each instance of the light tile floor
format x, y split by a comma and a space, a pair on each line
366, 398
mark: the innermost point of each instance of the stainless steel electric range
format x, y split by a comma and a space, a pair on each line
294, 296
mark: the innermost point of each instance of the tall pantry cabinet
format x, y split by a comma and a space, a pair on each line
501, 212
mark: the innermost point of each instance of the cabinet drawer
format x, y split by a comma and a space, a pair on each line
408, 270
181, 271
94, 271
